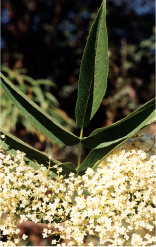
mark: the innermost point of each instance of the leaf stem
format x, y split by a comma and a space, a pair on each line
80, 147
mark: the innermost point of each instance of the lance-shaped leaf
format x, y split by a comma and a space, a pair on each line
39, 118
34, 156
122, 129
94, 70
97, 155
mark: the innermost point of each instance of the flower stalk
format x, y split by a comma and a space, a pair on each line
80, 150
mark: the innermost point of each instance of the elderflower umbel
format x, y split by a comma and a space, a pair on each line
119, 205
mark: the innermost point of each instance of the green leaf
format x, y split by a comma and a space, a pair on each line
94, 70
28, 79
40, 119
51, 97
122, 129
34, 156
67, 168
45, 82
97, 155
39, 94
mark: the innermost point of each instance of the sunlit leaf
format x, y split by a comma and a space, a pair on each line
125, 128
94, 70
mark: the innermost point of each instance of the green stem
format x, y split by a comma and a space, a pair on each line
80, 147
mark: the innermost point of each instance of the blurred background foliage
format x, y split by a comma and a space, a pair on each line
46, 38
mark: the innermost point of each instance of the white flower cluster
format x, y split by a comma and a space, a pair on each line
120, 203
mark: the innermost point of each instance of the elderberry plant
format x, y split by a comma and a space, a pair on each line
112, 199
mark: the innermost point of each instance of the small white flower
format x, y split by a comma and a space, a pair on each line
16, 241
59, 170
24, 237
53, 241
55, 166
